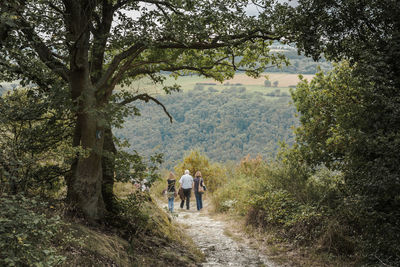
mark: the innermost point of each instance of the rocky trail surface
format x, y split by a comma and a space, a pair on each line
216, 239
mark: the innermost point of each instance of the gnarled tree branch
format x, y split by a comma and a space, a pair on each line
146, 98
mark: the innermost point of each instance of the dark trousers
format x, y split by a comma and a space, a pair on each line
186, 193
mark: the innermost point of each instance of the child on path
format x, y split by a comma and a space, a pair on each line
171, 191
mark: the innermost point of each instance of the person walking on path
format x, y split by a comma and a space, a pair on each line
186, 182
171, 191
181, 196
198, 184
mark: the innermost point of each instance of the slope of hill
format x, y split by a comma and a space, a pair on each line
226, 125
300, 63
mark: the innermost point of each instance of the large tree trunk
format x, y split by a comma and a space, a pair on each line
108, 165
85, 183
85, 180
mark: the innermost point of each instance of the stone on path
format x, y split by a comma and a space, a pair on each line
220, 250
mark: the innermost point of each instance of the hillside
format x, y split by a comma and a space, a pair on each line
226, 125
299, 63
144, 235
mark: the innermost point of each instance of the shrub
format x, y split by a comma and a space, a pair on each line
336, 237
289, 199
271, 208
28, 236
214, 174
34, 142
233, 196
323, 188
267, 83
131, 220
251, 166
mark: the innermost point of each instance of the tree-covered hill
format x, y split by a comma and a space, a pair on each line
226, 125
300, 63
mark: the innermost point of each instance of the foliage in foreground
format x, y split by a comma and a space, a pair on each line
34, 135
29, 234
336, 189
33, 232
350, 126
357, 109
288, 201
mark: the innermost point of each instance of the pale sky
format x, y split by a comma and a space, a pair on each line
251, 10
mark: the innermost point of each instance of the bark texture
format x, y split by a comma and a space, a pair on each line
86, 177
85, 181
108, 167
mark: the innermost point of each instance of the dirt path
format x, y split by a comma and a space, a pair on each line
216, 240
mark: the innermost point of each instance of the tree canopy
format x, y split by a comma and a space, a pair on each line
71, 56
350, 118
91, 46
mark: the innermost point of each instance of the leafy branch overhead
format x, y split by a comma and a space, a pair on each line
122, 40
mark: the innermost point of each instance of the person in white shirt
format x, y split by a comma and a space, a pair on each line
186, 182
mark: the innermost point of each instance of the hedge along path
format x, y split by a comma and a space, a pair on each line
213, 238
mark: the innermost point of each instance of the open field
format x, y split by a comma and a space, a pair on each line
285, 80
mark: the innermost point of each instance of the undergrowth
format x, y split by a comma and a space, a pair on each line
295, 205
36, 232
32, 233
150, 232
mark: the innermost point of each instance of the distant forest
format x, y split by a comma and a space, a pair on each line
226, 125
301, 64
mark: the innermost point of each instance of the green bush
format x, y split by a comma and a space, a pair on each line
131, 220
224, 199
214, 174
35, 135
28, 236
286, 197
272, 208
233, 196
323, 188
300, 204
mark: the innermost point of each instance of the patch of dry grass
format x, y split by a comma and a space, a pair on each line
284, 79
123, 189
98, 248
188, 82
287, 254
233, 236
